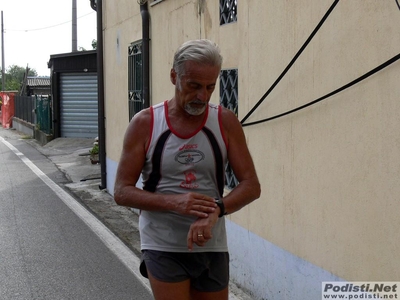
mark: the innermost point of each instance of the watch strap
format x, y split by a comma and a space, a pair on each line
221, 206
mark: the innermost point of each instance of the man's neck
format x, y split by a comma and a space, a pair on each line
182, 121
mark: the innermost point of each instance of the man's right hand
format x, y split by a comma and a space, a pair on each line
194, 204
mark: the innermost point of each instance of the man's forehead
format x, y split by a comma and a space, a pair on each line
201, 71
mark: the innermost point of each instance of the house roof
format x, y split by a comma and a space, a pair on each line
38, 81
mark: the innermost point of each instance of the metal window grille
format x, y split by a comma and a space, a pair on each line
229, 99
229, 89
153, 2
227, 11
135, 78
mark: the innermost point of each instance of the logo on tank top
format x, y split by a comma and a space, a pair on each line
188, 155
190, 180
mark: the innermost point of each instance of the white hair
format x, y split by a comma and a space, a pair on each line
200, 51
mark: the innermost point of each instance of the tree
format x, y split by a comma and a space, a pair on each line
94, 46
14, 76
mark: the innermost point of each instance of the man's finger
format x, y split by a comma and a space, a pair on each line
190, 241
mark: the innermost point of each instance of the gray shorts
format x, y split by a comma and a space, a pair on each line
207, 271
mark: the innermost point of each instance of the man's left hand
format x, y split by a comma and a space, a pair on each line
200, 232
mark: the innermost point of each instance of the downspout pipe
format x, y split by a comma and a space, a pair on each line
144, 11
100, 94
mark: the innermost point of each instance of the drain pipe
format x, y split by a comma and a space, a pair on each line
144, 11
98, 6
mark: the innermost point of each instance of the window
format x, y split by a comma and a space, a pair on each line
135, 78
229, 98
227, 11
229, 89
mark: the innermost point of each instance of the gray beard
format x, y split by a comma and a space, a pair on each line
194, 111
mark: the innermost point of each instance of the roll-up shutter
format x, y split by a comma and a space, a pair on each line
78, 105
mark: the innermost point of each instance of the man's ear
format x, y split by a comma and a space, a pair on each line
172, 76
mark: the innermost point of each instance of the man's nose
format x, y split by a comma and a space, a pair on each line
202, 94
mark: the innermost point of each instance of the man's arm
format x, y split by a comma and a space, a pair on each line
248, 189
242, 165
136, 140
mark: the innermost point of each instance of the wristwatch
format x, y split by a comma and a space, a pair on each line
221, 206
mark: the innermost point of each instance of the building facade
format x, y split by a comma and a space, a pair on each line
329, 171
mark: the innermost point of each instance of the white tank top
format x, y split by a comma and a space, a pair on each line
177, 164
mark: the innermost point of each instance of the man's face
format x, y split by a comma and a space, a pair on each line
195, 87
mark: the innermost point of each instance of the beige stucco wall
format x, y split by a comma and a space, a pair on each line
122, 25
329, 173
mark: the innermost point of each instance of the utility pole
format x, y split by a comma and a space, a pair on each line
3, 73
74, 27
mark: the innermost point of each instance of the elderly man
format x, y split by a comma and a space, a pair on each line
181, 147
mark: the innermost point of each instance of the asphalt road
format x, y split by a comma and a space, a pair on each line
51, 247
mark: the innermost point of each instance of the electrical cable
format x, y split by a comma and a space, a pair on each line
48, 27
397, 2
292, 61
342, 88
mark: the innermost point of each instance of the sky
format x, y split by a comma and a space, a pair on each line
36, 29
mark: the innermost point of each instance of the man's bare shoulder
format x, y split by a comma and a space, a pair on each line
229, 118
142, 116
140, 120
139, 126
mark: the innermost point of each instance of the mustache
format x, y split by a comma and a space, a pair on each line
197, 101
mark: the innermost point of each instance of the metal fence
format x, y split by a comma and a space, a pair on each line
25, 108
35, 110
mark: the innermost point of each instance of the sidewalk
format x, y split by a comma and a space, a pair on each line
71, 156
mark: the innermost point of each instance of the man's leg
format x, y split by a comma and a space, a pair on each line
170, 290
221, 295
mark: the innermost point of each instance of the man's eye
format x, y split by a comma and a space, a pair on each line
193, 85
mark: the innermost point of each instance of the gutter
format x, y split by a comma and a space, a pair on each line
98, 6
146, 54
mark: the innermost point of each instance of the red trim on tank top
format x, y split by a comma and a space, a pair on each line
221, 127
151, 127
177, 133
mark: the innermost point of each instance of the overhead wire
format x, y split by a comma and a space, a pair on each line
342, 88
292, 61
47, 27
359, 79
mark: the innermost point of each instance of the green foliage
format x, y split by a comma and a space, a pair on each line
94, 150
94, 46
14, 76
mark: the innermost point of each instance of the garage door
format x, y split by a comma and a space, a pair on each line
78, 105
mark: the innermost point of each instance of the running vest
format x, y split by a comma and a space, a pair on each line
177, 164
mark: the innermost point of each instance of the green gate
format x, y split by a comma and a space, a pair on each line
43, 114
